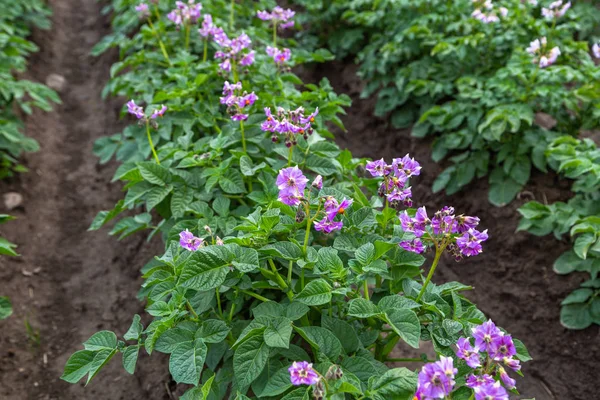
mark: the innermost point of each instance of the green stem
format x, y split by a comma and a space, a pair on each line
307, 234
220, 308
290, 269
150, 141
231, 311
366, 289
235, 74
191, 310
243, 136
280, 280
290, 153
205, 50
275, 34
160, 42
187, 36
256, 296
438, 254
232, 14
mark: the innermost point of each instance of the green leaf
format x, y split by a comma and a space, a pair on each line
580, 295
328, 259
322, 341
406, 324
204, 270
249, 360
101, 358
78, 365
154, 173
522, 353
180, 200
343, 331
170, 339
278, 383
130, 356
135, 330
576, 316
5, 307
245, 259
103, 340
583, 244
286, 250
315, 293
362, 308
187, 360
7, 248
232, 182
397, 383
503, 189
302, 393
213, 331
278, 332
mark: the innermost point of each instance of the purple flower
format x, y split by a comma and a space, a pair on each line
279, 56
436, 379
377, 168
596, 50
485, 334
335, 209
443, 221
143, 10
302, 373
290, 198
247, 100
248, 59
134, 109
399, 194
188, 241
234, 51
508, 382
469, 243
512, 363
416, 246
219, 241
236, 103
208, 28
278, 15
556, 9
318, 182
239, 117
185, 13
407, 166
491, 392
288, 123
291, 179
474, 381
468, 353
465, 222
328, 226
502, 347
159, 112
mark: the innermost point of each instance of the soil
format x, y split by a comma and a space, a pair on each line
70, 283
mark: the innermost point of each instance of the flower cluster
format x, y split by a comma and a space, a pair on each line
332, 209
485, 12
208, 28
279, 56
436, 380
232, 52
291, 183
395, 179
289, 124
185, 13
556, 9
138, 111
541, 55
278, 15
492, 351
445, 230
302, 373
188, 241
236, 103
143, 10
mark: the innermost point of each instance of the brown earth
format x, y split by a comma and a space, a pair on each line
87, 281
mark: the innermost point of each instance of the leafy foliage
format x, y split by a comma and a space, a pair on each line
263, 289
469, 84
580, 218
16, 20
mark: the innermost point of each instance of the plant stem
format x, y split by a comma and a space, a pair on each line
366, 289
291, 152
205, 50
243, 136
150, 141
407, 360
233, 306
280, 280
160, 42
220, 308
307, 234
191, 310
232, 14
290, 269
274, 34
187, 36
255, 295
438, 254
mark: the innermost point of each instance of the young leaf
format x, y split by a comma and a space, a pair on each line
187, 360
78, 365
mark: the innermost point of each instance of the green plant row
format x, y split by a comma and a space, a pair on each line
580, 219
476, 85
6, 249
19, 95
289, 270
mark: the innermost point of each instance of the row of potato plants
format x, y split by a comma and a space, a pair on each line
474, 75
291, 270
17, 95
580, 219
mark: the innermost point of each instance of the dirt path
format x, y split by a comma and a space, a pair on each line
87, 281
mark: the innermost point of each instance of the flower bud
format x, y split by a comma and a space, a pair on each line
219, 241
318, 182
300, 215
207, 229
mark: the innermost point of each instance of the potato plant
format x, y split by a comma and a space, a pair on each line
16, 20
291, 270
474, 75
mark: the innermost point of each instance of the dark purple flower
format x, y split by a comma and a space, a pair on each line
134, 109
491, 392
502, 347
288, 123
485, 334
239, 117
465, 222
512, 363
377, 167
302, 373
474, 381
435, 379
416, 246
328, 226
469, 243
188, 241
468, 353
406, 166
508, 382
